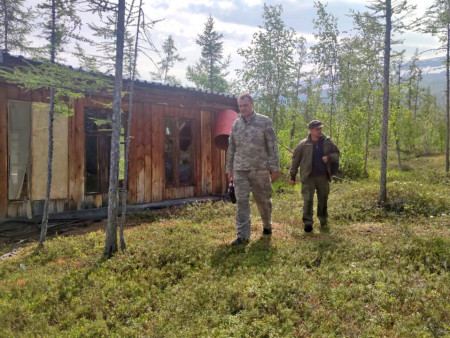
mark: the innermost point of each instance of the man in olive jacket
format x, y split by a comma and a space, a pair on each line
314, 155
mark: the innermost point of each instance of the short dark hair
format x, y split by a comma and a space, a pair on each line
246, 96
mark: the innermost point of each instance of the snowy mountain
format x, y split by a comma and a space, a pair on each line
433, 71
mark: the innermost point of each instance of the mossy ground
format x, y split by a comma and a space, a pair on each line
383, 270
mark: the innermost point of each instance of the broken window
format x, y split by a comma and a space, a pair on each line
179, 151
19, 131
97, 127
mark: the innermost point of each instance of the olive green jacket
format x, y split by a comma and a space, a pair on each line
303, 157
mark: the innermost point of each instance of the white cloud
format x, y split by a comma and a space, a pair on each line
185, 19
253, 3
226, 4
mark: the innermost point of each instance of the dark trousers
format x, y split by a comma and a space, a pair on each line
309, 186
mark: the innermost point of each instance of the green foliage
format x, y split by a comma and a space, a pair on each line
67, 81
269, 66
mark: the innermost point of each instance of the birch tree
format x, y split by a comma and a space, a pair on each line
325, 54
269, 68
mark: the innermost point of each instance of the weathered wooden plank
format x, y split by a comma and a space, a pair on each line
223, 175
24, 95
105, 197
139, 162
147, 152
3, 152
60, 204
216, 185
14, 209
39, 153
98, 200
158, 155
206, 158
89, 201
132, 173
76, 156
37, 96
13, 92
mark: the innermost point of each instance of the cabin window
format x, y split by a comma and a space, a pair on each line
97, 126
179, 151
19, 134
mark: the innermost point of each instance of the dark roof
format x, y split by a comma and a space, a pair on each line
6, 58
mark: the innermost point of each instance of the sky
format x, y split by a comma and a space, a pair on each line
238, 20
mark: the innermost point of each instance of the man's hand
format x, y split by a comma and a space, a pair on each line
325, 159
292, 182
275, 175
230, 177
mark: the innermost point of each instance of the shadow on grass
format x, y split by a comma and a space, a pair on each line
257, 255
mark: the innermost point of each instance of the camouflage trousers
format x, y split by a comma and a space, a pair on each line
309, 186
258, 181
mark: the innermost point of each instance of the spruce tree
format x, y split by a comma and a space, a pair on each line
16, 23
210, 70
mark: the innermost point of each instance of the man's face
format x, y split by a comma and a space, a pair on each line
316, 133
245, 106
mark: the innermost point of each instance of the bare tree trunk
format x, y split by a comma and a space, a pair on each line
111, 227
44, 224
447, 152
397, 146
366, 147
384, 132
331, 103
397, 141
416, 99
123, 245
5, 13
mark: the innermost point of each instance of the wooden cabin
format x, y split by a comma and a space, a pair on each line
172, 149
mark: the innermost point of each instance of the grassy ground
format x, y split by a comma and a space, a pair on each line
382, 271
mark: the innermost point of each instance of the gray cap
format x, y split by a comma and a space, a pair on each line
315, 124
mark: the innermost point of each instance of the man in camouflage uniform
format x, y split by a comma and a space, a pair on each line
314, 155
252, 162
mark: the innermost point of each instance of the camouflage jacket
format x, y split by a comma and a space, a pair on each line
303, 157
252, 145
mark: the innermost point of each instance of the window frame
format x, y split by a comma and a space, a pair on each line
176, 151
